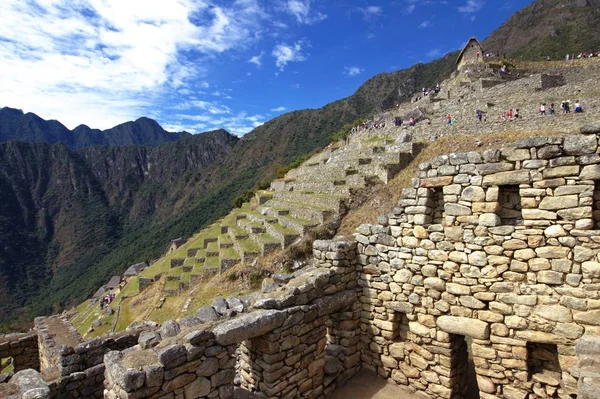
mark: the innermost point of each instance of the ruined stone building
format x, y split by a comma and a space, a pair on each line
472, 53
485, 279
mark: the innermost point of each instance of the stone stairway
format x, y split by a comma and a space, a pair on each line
305, 198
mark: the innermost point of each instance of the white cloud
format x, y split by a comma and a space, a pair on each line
301, 9
284, 54
371, 10
106, 61
238, 124
353, 71
256, 60
409, 9
278, 109
436, 52
425, 24
471, 6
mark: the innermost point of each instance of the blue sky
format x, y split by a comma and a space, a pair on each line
199, 65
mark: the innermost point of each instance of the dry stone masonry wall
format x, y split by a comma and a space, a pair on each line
22, 348
300, 341
484, 280
493, 256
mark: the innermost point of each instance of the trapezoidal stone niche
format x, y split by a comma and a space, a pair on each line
491, 261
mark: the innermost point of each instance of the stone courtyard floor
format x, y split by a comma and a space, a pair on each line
366, 385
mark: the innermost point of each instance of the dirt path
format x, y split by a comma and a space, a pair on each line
368, 385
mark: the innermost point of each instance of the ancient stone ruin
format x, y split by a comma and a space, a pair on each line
485, 280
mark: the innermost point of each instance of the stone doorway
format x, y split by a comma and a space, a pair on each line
463, 376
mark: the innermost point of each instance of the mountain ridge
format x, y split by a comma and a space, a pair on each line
18, 125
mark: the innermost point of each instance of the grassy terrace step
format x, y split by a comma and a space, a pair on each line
251, 227
285, 235
338, 187
227, 258
200, 256
303, 211
172, 286
266, 242
212, 261
237, 233
301, 226
258, 217
189, 262
326, 201
231, 219
263, 196
247, 248
225, 241
210, 239
212, 249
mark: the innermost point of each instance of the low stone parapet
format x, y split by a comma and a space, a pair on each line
22, 348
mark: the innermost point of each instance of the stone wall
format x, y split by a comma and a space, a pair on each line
74, 368
461, 269
22, 348
301, 340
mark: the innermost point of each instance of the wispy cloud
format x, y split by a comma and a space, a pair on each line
434, 53
424, 24
278, 109
352, 71
471, 6
256, 60
409, 9
370, 11
301, 10
284, 54
112, 60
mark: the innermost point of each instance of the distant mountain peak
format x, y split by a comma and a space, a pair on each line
16, 125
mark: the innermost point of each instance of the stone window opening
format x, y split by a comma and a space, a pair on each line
544, 368
464, 376
7, 365
509, 201
437, 197
596, 205
399, 327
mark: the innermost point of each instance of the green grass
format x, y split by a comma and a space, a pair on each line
169, 310
172, 285
225, 239
6, 366
249, 245
131, 288
266, 238
282, 229
126, 316
212, 261
229, 253
237, 231
212, 247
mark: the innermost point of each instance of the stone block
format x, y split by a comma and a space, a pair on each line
433, 182
507, 178
557, 203
561, 171
464, 326
580, 144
